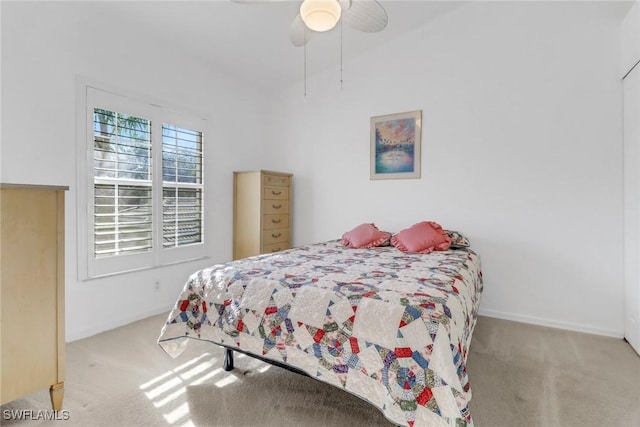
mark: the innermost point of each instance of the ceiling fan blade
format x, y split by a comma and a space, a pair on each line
365, 15
299, 33
256, 1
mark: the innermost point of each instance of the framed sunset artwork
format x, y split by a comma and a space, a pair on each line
395, 145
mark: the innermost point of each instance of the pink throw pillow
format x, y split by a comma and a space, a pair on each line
364, 236
423, 237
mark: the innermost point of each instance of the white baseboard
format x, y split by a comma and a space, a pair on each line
550, 323
114, 323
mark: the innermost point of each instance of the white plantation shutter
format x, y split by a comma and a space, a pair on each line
122, 220
182, 186
141, 198
122, 184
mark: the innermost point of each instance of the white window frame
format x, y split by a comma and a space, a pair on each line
90, 267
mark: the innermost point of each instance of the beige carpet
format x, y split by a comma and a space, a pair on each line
521, 375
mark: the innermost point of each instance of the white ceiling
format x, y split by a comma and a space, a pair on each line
251, 41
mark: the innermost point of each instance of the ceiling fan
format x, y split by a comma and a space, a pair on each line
323, 15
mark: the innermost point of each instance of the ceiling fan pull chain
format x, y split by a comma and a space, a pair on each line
341, 81
305, 62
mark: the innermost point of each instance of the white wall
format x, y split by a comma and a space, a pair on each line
521, 150
630, 38
630, 34
45, 46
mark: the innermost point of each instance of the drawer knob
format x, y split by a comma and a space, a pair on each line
276, 221
276, 193
276, 235
276, 206
275, 250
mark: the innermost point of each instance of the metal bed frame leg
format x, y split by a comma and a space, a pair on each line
228, 360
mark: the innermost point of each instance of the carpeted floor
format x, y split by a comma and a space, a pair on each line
521, 375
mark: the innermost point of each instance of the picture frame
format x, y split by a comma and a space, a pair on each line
396, 141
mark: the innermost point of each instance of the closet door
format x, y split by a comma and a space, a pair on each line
631, 94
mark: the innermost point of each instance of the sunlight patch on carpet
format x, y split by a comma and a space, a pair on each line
173, 371
207, 376
163, 388
198, 369
155, 380
229, 379
170, 398
168, 391
177, 414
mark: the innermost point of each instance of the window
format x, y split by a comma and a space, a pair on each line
182, 186
143, 191
122, 184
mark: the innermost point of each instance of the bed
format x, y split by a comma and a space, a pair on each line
390, 327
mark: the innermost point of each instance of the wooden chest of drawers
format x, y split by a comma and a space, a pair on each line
261, 213
32, 291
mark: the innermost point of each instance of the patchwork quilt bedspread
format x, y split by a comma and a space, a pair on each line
390, 327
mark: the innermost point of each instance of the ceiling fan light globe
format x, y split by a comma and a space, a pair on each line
320, 15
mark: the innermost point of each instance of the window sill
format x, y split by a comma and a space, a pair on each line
149, 268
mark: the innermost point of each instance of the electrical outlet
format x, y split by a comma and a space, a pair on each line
157, 285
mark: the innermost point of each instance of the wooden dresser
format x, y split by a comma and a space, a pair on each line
32, 291
261, 212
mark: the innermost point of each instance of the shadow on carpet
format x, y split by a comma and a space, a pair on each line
277, 397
